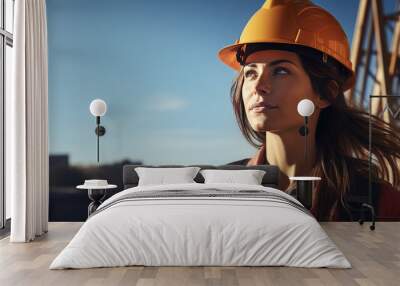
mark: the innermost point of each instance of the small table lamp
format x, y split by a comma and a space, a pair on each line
305, 184
305, 108
98, 108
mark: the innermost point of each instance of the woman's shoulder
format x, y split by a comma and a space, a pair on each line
259, 158
388, 203
384, 197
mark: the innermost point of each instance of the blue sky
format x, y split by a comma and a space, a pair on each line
156, 66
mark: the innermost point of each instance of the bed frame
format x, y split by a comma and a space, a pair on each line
271, 178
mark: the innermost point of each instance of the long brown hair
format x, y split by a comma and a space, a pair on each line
342, 137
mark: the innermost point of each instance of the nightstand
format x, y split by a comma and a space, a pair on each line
96, 195
304, 189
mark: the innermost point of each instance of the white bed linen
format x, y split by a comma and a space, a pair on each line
249, 177
162, 176
200, 231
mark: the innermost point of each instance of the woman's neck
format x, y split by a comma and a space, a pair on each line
285, 149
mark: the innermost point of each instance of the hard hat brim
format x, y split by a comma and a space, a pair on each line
228, 56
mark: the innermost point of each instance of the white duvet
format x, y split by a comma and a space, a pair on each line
205, 231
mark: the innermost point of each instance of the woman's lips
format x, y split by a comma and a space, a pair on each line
263, 108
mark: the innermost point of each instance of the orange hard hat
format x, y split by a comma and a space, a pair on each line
296, 23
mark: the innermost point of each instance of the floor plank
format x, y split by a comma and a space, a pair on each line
374, 255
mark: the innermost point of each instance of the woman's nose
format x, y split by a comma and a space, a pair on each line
263, 86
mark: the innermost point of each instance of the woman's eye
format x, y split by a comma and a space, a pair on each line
281, 70
250, 74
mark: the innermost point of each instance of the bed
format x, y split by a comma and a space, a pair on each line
201, 224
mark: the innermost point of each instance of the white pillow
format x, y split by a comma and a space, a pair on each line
249, 177
162, 176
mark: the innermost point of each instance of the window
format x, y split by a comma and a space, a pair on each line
6, 44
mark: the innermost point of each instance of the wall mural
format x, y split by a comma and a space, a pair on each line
155, 65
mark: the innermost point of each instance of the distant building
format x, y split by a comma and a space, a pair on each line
56, 161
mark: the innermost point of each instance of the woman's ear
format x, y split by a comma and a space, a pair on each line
322, 103
332, 89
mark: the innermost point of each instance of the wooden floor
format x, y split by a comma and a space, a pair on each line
374, 255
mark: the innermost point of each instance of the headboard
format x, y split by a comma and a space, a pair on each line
130, 177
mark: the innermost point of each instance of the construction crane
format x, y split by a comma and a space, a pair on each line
375, 65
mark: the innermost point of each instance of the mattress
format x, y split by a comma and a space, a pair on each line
201, 225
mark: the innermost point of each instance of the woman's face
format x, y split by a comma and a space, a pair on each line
274, 83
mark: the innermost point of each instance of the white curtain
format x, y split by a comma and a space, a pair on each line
28, 123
